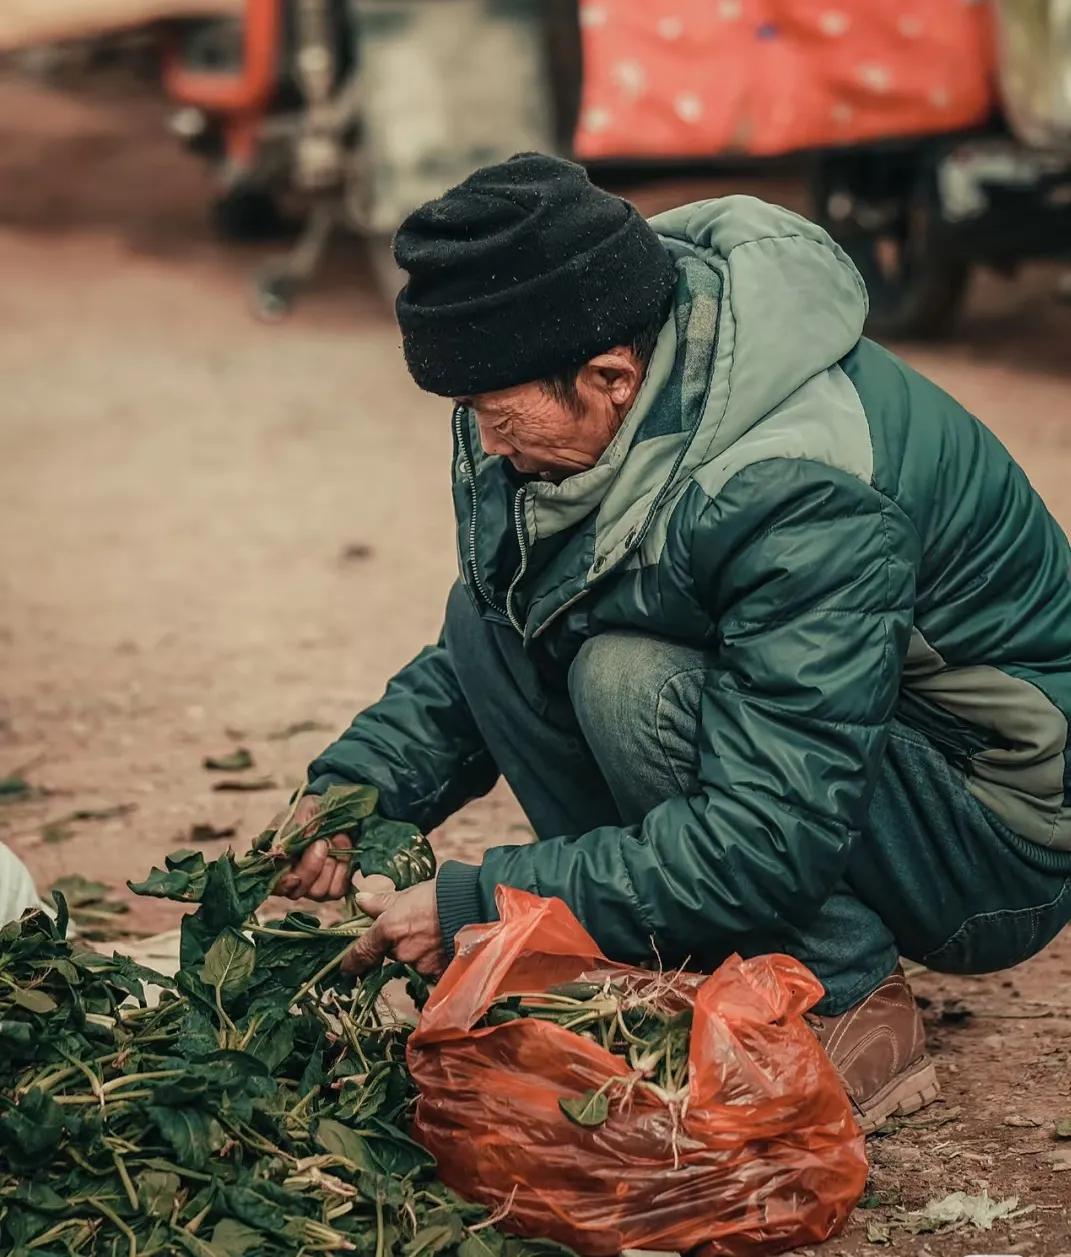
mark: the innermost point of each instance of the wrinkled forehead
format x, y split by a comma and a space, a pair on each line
505, 402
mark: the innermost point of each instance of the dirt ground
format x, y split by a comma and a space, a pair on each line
214, 529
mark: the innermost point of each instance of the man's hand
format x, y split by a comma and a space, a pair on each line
316, 874
406, 927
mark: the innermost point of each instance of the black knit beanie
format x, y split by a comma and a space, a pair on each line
523, 270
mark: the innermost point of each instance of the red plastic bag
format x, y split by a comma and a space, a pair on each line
768, 1155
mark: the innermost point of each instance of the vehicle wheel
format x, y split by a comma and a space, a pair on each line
248, 215
273, 295
882, 209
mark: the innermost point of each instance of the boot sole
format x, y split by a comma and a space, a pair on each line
906, 1094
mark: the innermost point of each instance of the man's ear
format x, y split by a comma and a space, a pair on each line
618, 373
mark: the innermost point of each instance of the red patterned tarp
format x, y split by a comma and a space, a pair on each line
693, 78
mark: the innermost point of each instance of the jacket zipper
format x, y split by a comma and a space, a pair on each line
522, 542
470, 475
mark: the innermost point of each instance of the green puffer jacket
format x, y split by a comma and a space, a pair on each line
844, 539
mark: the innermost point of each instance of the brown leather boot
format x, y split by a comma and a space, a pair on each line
879, 1050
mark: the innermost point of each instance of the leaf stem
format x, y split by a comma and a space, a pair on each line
116, 1221
319, 976
124, 1178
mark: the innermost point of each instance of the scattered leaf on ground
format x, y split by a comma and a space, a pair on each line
14, 788
355, 552
960, 1209
103, 813
1063, 1128
79, 890
299, 726
235, 761
205, 831
60, 829
954, 1012
879, 1232
93, 910
1060, 1162
244, 784
1014, 1119
878, 1199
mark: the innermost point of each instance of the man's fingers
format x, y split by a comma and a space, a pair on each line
333, 879
306, 871
376, 883
369, 950
340, 881
374, 905
415, 952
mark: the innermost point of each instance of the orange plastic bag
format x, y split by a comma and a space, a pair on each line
767, 1155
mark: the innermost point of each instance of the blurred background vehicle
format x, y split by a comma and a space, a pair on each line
358, 111
937, 137
916, 216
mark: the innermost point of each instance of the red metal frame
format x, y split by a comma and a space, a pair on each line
238, 99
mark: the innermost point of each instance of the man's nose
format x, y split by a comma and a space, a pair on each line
494, 443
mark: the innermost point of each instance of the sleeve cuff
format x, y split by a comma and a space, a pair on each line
318, 785
457, 898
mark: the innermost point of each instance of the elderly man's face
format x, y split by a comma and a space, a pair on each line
544, 436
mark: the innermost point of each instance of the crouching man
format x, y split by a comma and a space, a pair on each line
770, 638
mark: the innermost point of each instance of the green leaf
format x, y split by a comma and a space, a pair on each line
433, 1239
34, 1001
63, 912
228, 963
231, 1238
129, 976
393, 1151
273, 1038
18, 1037
192, 1135
1063, 1128
341, 811
157, 1190
591, 1108
183, 878
485, 1243
235, 761
231, 893
254, 1206
31, 1130
396, 849
340, 1141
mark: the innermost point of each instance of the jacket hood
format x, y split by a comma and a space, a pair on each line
792, 303
765, 300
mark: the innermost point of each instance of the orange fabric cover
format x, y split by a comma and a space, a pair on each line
769, 1155
695, 78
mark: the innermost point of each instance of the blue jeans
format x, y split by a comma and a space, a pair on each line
934, 876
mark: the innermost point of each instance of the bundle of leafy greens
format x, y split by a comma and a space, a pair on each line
257, 1107
646, 1021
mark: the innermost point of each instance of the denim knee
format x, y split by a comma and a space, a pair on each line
636, 699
